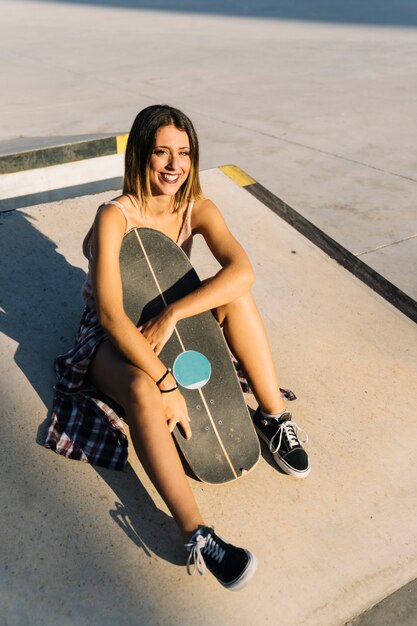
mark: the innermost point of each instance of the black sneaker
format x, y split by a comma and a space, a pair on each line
233, 567
281, 435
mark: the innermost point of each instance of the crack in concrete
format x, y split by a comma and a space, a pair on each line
386, 245
312, 148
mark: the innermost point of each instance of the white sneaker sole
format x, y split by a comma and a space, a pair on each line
247, 575
281, 463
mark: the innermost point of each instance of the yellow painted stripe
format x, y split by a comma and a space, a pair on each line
239, 176
121, 141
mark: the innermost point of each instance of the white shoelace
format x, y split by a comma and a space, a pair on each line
195, 561
292, 432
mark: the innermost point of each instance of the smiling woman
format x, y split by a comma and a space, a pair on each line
162, 144
114, 372
170, 161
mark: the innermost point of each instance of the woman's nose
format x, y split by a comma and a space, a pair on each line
173, 162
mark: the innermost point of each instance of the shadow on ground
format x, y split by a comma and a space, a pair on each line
399, 13
40, 307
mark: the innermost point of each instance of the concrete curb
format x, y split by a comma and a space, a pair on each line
60, 172
332, 248
65, 153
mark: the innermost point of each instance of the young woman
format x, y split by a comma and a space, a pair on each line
114, 369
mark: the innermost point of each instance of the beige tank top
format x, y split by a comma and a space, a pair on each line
185, 241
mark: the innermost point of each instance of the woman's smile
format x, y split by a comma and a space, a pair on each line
170, 161
170, 178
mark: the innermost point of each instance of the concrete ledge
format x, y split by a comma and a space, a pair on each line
59, 172
66, 153
349, 261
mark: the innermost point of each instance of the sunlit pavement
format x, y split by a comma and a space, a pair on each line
321, 113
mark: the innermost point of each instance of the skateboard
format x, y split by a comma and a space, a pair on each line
156, 272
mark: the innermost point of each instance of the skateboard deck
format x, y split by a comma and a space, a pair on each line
156, 272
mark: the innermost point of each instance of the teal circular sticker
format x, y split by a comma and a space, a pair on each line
192, 369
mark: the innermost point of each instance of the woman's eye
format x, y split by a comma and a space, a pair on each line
161, 152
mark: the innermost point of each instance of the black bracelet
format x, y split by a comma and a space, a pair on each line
158, 382
169, 390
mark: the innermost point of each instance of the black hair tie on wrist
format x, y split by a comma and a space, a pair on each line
169, 390
158, 382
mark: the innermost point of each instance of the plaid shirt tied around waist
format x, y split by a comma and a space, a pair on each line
85, 424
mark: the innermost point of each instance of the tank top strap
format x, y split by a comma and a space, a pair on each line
185, 238
185, 231
189, 211
121, 207
87, 243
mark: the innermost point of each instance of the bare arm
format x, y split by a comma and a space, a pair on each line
235, 276
108, 233
233, 279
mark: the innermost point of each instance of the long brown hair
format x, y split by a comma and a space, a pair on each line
139, 149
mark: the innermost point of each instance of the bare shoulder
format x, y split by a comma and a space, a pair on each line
126, 199
108, 213
210, 223
118, 206
203, 204
109, 224
204, 212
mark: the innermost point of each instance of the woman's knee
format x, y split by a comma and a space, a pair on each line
140, 388
222, 312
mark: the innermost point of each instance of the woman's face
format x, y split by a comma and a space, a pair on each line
170, 161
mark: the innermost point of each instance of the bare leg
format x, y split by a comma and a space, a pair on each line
137, 393
245, 334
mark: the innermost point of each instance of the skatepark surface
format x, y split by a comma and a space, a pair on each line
88, 546
320, 109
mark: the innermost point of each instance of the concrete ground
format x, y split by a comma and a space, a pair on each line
317, 102
320, 108
87, 546
398, 608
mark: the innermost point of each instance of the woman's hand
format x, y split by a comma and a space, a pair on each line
176, 412
174, 406
159, 329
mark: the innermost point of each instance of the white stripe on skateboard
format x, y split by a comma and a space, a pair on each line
183, 347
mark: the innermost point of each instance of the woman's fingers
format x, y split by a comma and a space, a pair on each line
176, 412
153, 340
155, 345
158, 330
184, 424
